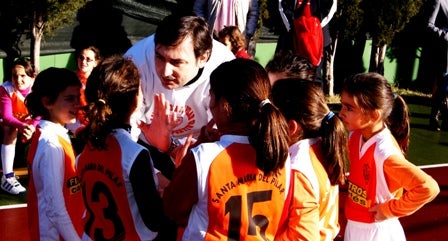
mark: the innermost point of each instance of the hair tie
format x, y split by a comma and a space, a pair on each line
264, 102
328, 116
395, 95
102, 101
324, 122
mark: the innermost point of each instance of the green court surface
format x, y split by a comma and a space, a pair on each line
426, 147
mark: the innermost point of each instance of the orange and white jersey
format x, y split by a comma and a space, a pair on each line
55, 204
381, 176
367, 184
236, 201
305, 159
105, 178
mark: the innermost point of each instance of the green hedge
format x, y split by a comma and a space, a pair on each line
264, 52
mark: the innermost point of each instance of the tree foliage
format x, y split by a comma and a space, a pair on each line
55, 14
348, 19
385, 18
33, 19
48, 16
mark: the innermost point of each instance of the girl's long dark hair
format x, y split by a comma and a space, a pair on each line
372, 92
304, 102
244, 85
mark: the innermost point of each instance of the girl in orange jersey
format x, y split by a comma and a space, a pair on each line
55, 204
116, 173
382, 185
15, 119
234, 188
318, 152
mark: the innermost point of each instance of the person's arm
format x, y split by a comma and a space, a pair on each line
146, 195
252, 19
199, 8
52, 173
326, 18
182, 193
6, 111
303, 218
420, 188
433, 8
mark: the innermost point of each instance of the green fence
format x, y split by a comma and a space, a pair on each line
264, 52
63, 60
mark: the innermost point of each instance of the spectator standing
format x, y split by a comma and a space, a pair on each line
437, 25
318, 151
177, 61
86, 59
382, 185
113, 92
55, 203
322, 9
15, 120
241, 13
234, 188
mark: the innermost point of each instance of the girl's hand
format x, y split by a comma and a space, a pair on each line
378, 215
27, 132
179, 153
209, 133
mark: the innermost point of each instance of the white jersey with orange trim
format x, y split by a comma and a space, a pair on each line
305, 160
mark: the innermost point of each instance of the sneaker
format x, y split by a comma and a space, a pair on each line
12, 186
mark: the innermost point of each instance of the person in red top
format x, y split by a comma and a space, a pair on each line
86, 59
383, 185
55, 204
15, 119
232, 37
234, 188
116, 173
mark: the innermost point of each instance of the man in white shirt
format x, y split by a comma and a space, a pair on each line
176, 61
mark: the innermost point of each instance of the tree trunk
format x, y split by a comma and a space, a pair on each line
36, 39
330, 67
377, 56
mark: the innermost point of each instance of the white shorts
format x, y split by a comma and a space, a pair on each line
387, 230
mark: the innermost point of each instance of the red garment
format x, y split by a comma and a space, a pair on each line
242, 53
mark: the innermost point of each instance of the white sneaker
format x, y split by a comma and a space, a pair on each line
12, 186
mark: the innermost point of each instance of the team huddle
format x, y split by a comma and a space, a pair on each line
182, 140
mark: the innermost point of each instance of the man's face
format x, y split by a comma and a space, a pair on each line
177, 65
